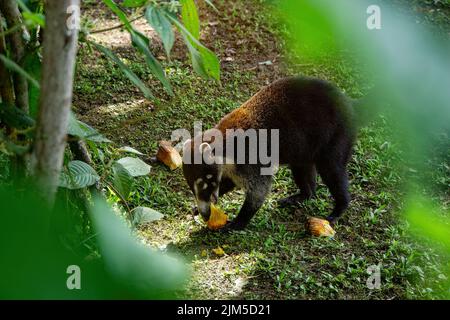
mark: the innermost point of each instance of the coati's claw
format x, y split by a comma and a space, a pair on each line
291, 200
332, 220
231, 226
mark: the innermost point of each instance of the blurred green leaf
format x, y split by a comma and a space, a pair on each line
204, 61
34, 18
35, 259
33, 66
157, 19
130, 261
189, 16
142, 43
426, 221
127, 71
11, 65
134, 3
15, 118
120, 14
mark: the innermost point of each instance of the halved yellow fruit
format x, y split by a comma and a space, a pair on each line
217, 219
320, 227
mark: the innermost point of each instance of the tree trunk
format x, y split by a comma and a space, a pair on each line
59, 53
6, 87
12, 16
79, 151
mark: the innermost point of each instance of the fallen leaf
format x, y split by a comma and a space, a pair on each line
219, 251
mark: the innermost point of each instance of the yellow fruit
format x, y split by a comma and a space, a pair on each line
204, 253
168, 155
219, 251
320, 227
217, 219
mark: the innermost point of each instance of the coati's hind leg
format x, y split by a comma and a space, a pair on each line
305, 178
333, 170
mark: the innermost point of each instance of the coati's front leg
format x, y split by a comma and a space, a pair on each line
256, 193
226, 185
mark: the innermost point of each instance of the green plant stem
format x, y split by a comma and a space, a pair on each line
115, 27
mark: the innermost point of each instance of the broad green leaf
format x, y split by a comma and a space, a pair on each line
78, 175
134, 3
84, 131
189, 16
92, 134
158, 21
135, 167
15, 118
120, 14
142, 43
34, 18
204, 61
130, 150
143, 215
122, 181
11, 65
127, 71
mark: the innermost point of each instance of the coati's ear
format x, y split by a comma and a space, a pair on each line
206, 150
187, 144
186, 151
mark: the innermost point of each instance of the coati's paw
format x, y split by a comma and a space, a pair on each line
232, 226
332, 220
292, 200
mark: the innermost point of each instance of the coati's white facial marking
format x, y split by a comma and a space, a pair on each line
199, 184
209, 176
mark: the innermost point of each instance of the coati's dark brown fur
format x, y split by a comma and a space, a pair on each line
315, 122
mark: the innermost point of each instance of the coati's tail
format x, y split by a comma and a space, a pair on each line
367, 108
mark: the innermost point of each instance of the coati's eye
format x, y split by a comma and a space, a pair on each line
200, 184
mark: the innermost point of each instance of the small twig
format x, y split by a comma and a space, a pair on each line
115, 27
121, 198
11, 30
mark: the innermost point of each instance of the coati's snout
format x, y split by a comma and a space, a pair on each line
204, 184
203, 180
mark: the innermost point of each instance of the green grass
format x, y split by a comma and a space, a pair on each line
274, 257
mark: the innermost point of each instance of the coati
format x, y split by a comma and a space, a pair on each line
316, 132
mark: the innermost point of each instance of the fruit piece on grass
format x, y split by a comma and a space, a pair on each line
217, 219
219, 251
320, 227
168, 155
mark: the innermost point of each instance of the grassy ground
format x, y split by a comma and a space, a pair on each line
274, 257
